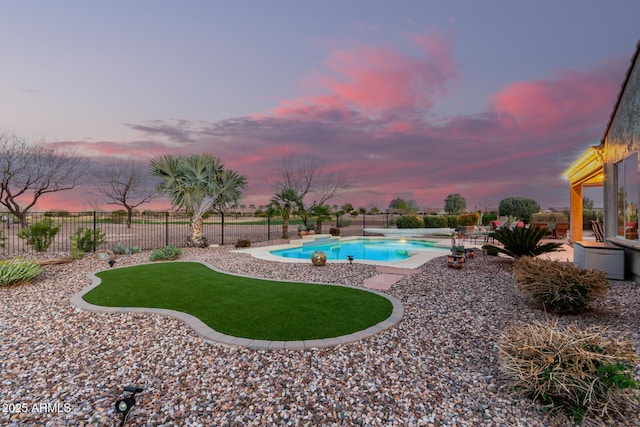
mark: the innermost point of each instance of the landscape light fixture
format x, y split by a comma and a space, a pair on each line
124, 405
350, 258
111, 263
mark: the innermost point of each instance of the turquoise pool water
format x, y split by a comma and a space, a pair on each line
361, 249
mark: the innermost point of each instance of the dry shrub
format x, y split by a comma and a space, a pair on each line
558, 287
577, 370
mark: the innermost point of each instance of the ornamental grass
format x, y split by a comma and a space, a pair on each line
558, 287
17, 271
576, 370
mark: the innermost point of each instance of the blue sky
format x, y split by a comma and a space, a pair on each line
417, 99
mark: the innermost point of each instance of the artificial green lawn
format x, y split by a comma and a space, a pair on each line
241, 306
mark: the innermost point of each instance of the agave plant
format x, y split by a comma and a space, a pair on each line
520, 241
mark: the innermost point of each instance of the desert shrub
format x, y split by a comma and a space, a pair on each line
61, 214
558, 287
120, 249
354, 213
118, 216
409, 221
519, 207
435, 221
578, 370
490, 250
522, 241
343, 222
551, 218
165, 254
39, 234
487, 218
17, 271
243, 243
87, 239
468, 219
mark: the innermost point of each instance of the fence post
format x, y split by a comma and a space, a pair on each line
268, 226
95, 221
222, 228
364, 222
166, 228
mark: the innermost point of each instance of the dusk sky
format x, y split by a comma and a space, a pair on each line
416, 99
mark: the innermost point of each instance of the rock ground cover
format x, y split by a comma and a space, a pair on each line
438, 366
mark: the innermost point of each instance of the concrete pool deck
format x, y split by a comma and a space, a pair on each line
415, 260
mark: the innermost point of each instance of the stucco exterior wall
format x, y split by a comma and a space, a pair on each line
622, 140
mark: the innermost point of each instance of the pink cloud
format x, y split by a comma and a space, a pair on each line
373, 80
567, 101
135, 149
367, 116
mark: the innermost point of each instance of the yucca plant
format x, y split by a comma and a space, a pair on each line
18, 270
521, 241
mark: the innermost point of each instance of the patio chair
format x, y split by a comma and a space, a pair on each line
542, 225
560, 230
465, 231
598, 230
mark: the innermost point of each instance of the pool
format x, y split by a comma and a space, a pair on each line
386, 250
379, 251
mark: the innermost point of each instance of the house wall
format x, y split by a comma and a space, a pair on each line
621, 140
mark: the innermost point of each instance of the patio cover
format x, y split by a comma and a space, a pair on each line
586, 171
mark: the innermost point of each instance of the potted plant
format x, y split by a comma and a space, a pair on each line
455, 261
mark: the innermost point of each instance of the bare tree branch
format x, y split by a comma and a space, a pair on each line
29, 170
312, 180
124, 182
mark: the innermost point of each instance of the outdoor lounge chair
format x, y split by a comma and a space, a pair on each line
560, 230
598, 230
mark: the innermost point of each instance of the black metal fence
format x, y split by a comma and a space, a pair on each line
150, 230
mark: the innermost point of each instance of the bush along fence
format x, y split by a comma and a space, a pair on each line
148, 230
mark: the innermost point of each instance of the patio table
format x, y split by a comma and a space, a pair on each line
480, 234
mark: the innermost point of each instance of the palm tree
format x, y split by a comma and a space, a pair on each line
322, 213
197, 183
282, 202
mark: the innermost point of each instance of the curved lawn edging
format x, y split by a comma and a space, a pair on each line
210, 335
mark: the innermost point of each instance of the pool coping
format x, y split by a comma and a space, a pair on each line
212, 336
415, 260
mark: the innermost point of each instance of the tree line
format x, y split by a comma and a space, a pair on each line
197, 183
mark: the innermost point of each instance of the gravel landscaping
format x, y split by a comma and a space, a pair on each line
438, 366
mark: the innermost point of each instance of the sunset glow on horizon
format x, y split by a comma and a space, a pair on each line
415, 99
